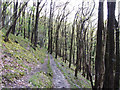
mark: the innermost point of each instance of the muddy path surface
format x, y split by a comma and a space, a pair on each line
59, 80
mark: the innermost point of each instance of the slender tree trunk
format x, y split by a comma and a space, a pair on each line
84, 57
78, 51
60, 49
0, 12
29, 22
74, 53
20, 24
51, 27
54, 37
4, 13
88, 55
49, 40
63, 52
32, 34
65, 43
45, 28
57, 35
36, 25
24, 23
91, 45
71, 46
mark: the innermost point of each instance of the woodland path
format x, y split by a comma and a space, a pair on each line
59, 80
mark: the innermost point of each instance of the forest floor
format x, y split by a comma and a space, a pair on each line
24, 82
24, 67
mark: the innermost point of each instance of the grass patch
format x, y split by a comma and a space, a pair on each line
40, 80
49, 70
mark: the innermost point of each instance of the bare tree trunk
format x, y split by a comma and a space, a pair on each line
32, 34
91, 45
45, 28
99, 53
78, 52
15, 15
20, 24
63, 48
0, 13
4, 13
71, 45
29, 22
109, 64
36, 25
84, 56
65, 43
50, 28
88, 55
74, 52
24, 23
117, 69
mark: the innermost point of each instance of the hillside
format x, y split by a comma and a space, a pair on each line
22, 66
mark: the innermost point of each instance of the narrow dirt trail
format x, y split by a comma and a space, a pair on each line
59, 80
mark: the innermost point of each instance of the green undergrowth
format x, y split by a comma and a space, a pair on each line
19, 56
79, 82
40, 80
49, 70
